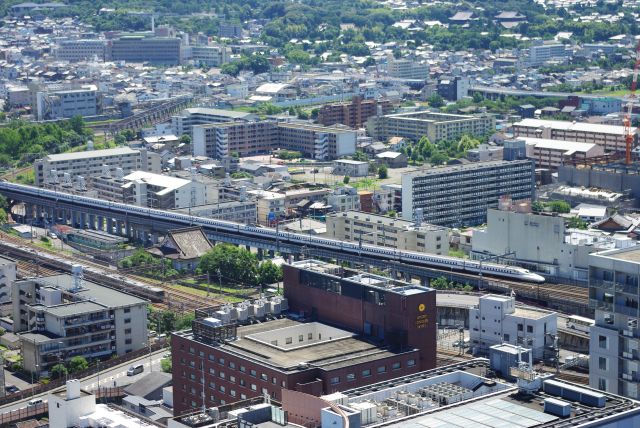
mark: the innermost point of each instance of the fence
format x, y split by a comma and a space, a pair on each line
29, 412
92, 370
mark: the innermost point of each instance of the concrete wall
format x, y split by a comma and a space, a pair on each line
614, 181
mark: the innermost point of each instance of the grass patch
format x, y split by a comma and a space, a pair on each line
457, 253
215, 292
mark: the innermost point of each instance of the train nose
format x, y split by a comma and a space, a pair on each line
536, 277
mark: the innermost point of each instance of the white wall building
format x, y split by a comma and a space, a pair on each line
344, 199
541, 243
78, 408
7, 277
387, 231
614, 346
497, 319
59, 317
90, 163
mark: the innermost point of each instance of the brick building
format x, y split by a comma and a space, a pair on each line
361, 329
353, 114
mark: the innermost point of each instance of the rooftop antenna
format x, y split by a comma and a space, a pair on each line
106, 171
119, 174
78, 275
66, 180
53, 177
418, 214
81, 183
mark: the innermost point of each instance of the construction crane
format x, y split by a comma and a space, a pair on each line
628, 133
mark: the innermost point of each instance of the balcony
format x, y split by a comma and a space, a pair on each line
599, 304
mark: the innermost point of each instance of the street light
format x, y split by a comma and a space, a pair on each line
33, 389
148, 344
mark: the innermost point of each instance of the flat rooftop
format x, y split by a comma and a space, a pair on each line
166, 182
474, 166
89, 154
631, 254
276, 344
572, 126
90, 291
461, 396
367, 279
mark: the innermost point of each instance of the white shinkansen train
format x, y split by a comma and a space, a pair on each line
409, 257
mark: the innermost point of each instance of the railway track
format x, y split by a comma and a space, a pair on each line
31, 265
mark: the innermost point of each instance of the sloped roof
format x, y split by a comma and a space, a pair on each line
183, 244
149, 384
608, 223
462, 16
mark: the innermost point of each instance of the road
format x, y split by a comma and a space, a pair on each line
116, 374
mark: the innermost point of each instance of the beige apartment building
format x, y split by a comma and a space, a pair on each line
387, 231
435, 126
610, 137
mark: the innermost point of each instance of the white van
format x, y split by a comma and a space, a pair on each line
134, 370
35, 402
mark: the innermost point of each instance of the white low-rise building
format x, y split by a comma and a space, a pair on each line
497, 319
387, 231
541, 243
78, 408
351, 168
549, 153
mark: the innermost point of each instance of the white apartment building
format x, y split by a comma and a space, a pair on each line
386, 231
63, 316
614, 348
50, 170
540, 54
80, 50
147, 189
270, 206
344, 199
408, 69
497, 319
184, 122
66, 103
211, 56
540, 243
7, 277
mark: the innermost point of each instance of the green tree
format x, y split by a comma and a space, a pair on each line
359, 155
166, 365
185, 139
383, 172
537, 207
58, 371
346, 179
78, 364
269, 273
435, 100
438, 158
562, 207
440, 283
3, 216
577, 223
235, 264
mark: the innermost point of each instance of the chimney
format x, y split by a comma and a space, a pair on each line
73, 389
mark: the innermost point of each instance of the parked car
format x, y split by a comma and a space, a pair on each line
134, 370
35, 402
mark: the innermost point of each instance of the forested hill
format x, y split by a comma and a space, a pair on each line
345, 26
